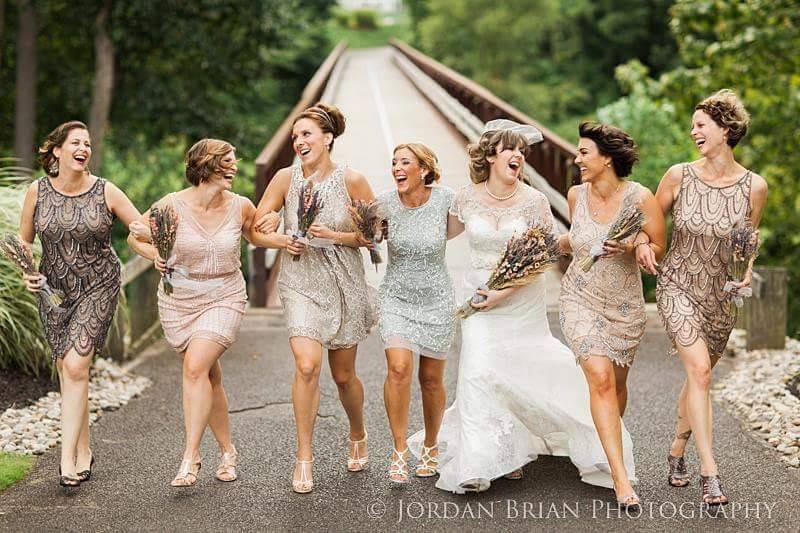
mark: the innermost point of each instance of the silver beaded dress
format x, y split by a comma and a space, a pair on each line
416, 299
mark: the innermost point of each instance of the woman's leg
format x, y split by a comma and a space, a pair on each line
200, 357
697, 387
621, 384
219, 421
351, 394
599, 372
397, 393
73, 372
434, 397
682, 430
305, 397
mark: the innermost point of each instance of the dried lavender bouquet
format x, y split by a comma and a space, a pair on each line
163, 230
629, 222
308, 208
368, 220
743, 242
15, 251
523, 260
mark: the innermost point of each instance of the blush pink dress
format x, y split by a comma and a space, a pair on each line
208, 299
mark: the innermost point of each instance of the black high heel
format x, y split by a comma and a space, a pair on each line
86, 475
67, 481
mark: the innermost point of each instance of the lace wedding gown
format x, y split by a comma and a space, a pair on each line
519, 393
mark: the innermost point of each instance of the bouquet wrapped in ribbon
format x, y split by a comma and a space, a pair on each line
743, 242
369, 223
629, 222
15, 251
308, 208
163, 230
524, 258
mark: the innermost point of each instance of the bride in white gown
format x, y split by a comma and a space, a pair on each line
519, 393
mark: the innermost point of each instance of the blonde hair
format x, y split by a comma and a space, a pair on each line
427, 160
727, 110
204, 159
486, 147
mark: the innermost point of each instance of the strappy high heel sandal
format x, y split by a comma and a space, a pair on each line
67, 481
226, 471
187, 474
515, 475
305, 484
630, 502
398, 470
429, 466
86, 475
678, 474
713, 493
357, 463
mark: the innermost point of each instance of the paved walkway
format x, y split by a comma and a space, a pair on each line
138, 448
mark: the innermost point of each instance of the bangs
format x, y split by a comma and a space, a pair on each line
511, 139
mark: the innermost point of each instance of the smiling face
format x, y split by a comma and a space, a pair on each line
227, 171
408, 174
590, 161
708, 136
310, 143
75, 152
506, 165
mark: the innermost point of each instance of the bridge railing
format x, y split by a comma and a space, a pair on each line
553, 159
277, 154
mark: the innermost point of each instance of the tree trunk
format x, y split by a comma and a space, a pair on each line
25, 106
103, 85
2, 31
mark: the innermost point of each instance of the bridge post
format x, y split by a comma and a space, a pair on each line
764, 315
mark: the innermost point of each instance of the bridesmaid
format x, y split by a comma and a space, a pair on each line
602, 311
72, 212
416, 301
325, 297
202, 315
707, 198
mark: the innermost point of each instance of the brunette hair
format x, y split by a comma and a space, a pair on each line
328, 117
54, 139
204, 158
427, 160
486, 147
727, 111
614, 143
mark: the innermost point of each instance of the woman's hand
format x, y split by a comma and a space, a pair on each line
34, 282
140, 231
361, 241
268, 222
159, 264
322, 232
745, 283
493, 299
646, 258
612, 248
293, 246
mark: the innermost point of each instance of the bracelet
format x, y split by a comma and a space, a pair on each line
641, 243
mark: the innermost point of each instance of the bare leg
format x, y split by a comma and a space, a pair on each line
200, 357
621, 380
697, 365
73, 371
682, 430
219, 421
599, 372
397, 393
351, 394
305, 396
434, 397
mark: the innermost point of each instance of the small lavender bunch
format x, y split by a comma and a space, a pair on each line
308, 208
629, 222
743, 242
163, 230
15, 251
368, 220
523, 260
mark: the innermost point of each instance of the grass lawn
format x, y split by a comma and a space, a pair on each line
13, 468
369, 38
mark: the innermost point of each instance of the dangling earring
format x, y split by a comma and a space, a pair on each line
54, 168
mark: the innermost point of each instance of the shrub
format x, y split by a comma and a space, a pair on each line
364, 19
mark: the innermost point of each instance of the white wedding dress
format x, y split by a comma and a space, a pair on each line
520, 393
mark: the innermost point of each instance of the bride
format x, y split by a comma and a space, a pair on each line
519, 392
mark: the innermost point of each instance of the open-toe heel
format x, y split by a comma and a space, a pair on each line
398, 470
187, 474
226, 471
713, 493
67, 481
86, 475
678, 475
429, 465
305, 484
355, 461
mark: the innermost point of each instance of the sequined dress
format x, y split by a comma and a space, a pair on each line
208, 299
324, 294
689, 292
519, 393
416, 301
78, 259
602, 311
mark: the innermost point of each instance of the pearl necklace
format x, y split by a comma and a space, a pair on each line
500, 198
594, 213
